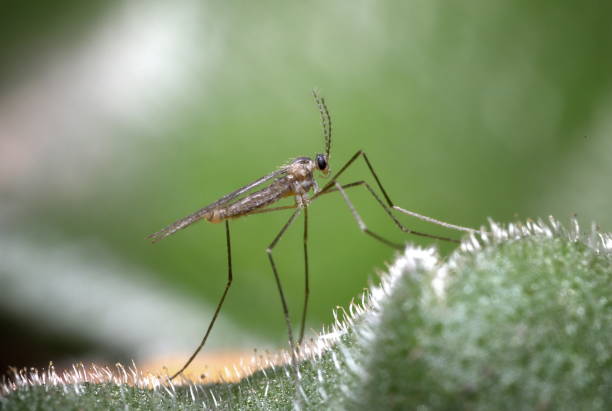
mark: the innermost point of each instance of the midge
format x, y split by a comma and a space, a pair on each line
295, 179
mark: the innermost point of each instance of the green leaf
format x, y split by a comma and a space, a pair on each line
517, 318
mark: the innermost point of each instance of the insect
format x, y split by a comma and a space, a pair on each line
295, 179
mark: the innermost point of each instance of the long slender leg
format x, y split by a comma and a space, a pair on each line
389, 204
360, 222
214, 318
387, 210
402, 227
412, 213
434, 221
361, 225
278, 282
306, 281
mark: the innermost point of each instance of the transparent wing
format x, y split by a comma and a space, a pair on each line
198, 215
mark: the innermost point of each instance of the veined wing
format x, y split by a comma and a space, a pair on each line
201, 213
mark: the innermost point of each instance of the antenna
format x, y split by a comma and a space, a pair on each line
325, 121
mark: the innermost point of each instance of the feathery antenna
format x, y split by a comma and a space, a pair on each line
325, 121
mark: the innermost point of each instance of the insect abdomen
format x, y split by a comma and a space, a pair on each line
254, 201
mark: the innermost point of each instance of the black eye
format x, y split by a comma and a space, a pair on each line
321, 162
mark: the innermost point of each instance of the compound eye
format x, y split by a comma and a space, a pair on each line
321, 162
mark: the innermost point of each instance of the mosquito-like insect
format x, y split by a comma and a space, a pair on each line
296, 180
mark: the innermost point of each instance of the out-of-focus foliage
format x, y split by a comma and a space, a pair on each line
518, 318
127, 117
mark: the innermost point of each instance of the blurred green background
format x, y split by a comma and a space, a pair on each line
116, 118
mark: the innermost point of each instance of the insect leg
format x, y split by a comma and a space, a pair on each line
364, 228
360, 222
411, 213
329, 187
278, 282
214, 318
306, 281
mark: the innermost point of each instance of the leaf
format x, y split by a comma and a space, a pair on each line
518, 317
